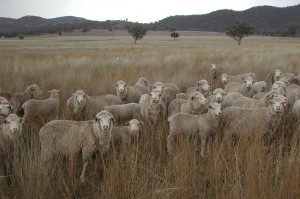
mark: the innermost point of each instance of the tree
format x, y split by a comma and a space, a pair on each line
240, 30
137, 31
174, 35
292, 30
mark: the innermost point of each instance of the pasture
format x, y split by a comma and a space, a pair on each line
89, 62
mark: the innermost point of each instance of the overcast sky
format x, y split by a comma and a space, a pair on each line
133, 10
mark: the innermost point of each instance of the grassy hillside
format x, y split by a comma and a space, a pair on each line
145, 170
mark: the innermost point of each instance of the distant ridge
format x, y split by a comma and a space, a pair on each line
267, 20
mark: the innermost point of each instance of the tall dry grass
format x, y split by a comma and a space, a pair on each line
240, 170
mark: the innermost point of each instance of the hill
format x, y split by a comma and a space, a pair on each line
267, 20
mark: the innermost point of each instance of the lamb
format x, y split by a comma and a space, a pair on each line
252, 103
230, 98
124, 112
125, 135
202, 86
204, 126
263, 122
5, 109
84, 107
243, 88
153, 108
68, 138
195, 105
20, 98
42, 110
296, 109
10, 133
130, 94
225, 79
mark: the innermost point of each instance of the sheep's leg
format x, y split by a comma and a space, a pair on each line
203, 144
82, 176
209, 141
86, 156
170, 143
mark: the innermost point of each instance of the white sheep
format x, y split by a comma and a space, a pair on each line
83, 107
194, 125
130, 94
225, 78
263, 122
168, 93
202, 86
292, 93
18, 99
218, 95
195, 105
124, 112
124, 135
252, 103
214, 74
72, 137
42, 110
243, 88
296, 109
279, 86
143, 81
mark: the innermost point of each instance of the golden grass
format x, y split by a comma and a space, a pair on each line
88, 62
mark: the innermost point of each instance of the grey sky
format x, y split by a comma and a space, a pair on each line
133, 10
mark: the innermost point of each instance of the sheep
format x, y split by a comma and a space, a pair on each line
214, 74
195, 125
263, 122
230, 98
42, 110
243, 88
124, 112
68, 138
279, 86
142, 81
202, 86
260, 86
5, 109
292, 93
126, 134
83, 107
153, 108
18, 99
130, 93
168, 92
181, 96
277, 74
218, 95
195, 105
252, 103
296, 109
225, 79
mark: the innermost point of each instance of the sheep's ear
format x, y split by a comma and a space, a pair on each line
126, 123
96, 119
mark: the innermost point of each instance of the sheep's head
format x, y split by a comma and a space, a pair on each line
156, 96
134, 126
203, 85
105, 120
12, 126
278, 104
213, 70
219, 94
279, 86
80, 97
224, 78
121, 86
270, 95
159, 86
215, 108
54, 93
277, 74
5, 108
285, 81
249, 82
142, 81
197, 99
34, 90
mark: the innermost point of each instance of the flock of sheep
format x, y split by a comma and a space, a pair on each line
101, 122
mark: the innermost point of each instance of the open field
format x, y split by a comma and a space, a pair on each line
88, 62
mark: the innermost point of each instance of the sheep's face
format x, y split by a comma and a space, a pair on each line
278, 104
5, 108
213, 69
13, 126
203, 86
158, 86
121, 87
219, 95
155, 96
215, 109
134, 126
224, 78
279, 86
105, 120
34, 90
142, 82
249, 82
285, 81
197, 99
80, 98
277, 74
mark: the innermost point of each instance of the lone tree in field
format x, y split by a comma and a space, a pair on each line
240, 30
137, 31
173, 33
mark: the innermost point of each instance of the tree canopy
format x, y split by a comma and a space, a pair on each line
137, 31
240, 30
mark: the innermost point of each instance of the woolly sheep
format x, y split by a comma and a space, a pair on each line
214, 74
202, 86
5, 109
10, 133
126, 134
292, 93
230, 98
260, 86
296, 109
276, 75
130, 94
218, 95
225, 78
124, 112
252, 103
243, 88
263, 122
20, 98
195, 105
279, 86
83, 107
42, 110
142, 81
194, 125
71, 137
168, 93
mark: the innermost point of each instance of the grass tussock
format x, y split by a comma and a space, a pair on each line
233, 170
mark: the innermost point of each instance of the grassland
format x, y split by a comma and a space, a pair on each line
88, 62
